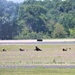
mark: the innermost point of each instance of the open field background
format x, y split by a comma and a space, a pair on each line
37, 71
50, 54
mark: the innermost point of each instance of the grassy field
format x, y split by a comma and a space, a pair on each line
50, 54
37, 71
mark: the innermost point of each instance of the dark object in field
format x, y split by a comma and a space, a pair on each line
39, 39
3, 49
64, 49
21, 49
69, 48
37, 49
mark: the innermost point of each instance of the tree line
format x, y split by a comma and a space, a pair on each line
34, 19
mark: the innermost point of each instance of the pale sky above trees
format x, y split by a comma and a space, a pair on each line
18, 1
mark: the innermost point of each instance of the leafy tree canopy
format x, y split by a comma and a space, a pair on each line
35, 19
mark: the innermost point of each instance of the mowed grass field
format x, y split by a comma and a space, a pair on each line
37, 71
50, 55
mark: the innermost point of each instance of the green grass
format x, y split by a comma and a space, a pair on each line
50, 54
37, 71
16, 47
31, 47
13, 47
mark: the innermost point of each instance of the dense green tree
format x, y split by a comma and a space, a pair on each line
27, 34
65, 6
72, 32
35, 19
68, 22
8, 26
59, 31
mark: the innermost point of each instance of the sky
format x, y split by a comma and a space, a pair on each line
18, 1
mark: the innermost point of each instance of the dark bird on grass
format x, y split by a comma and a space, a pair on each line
37, 49
3, 49
64, 49
21, 49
